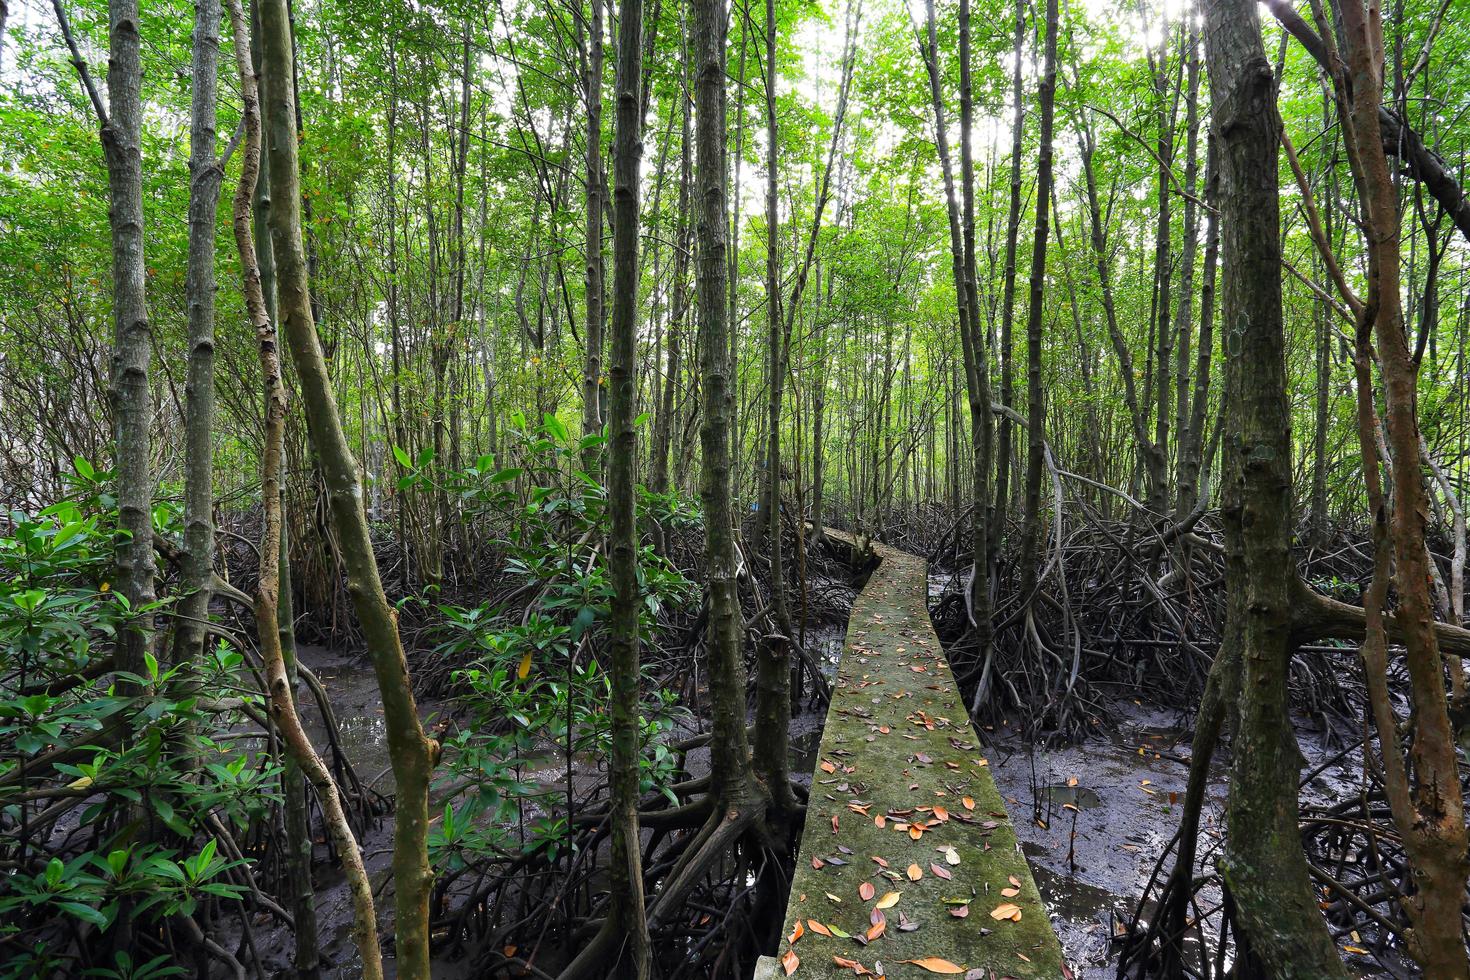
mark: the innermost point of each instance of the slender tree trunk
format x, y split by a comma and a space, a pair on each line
773, 676
294, 782
979, 373
411, 753
1004, 427
592, 249
664, 421
1035, 405
1191, 447
205, 176
1163, 272
132, 353
626, 915
1264, 865
1184, 318
1430, 811
729, 749
274, 570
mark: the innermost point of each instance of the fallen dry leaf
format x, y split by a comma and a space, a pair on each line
790, 962
889, 900
796, 933
818, 928
1006, 910
866, 891
941, 871
915, 872
935, 965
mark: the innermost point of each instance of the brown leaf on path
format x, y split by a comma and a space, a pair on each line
1014, 880
880, 862
969, 802
935, 964
876, 930
796, 933
853, 965
960, 912
915, 872
866, 891
817, 863
790, 962
1006, 910
818, 928
941, 871
1009, 892
834, 823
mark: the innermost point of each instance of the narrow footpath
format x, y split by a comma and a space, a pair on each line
909, 866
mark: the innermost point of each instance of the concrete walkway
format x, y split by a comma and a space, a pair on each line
909, 866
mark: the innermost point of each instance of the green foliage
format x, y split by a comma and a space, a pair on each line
533, 693
97, 745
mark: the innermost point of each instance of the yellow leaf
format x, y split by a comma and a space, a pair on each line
888, 901
524, 670
1006, 910
915, 872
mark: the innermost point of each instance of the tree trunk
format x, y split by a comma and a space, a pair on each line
592, 248
205, 176
1035, 406
1263, 864
1004, 427
773, 677
274, 570
626, 915
132, 339
728, 748
412, 754
1430, 812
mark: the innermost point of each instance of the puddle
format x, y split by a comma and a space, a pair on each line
1080, 797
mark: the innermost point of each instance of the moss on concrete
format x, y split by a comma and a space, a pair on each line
898, 745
